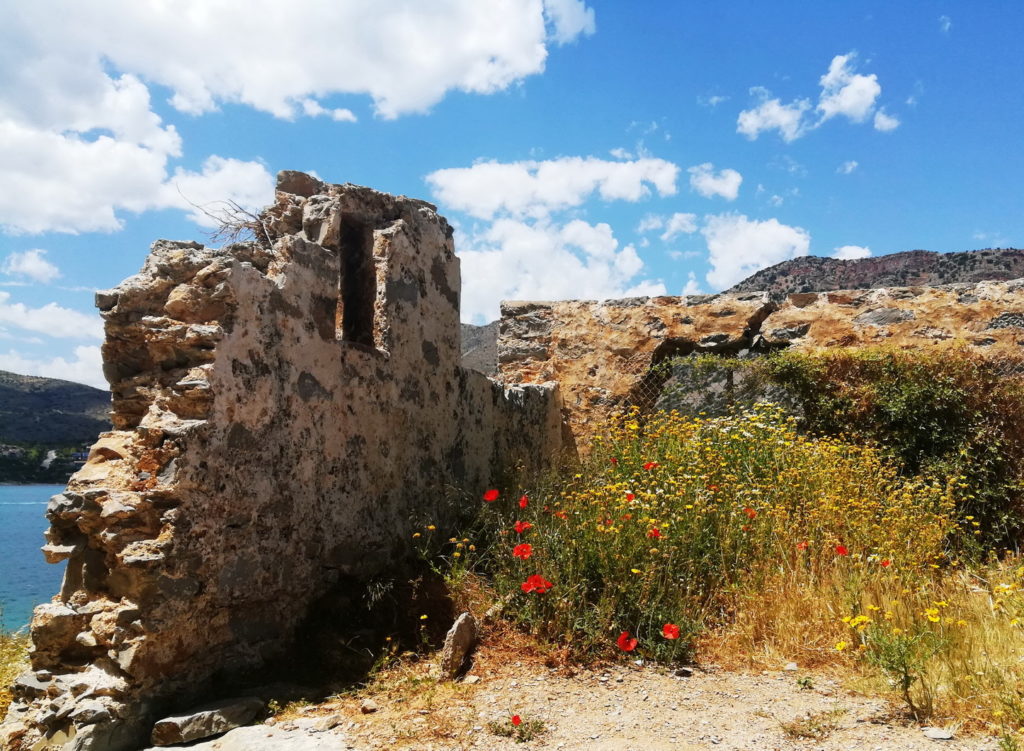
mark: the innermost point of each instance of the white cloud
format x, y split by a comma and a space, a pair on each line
885, 122
524, 249
993, 239
847, 167
843, 92
50, 319
570, 18
30, 263
650, 222
313, 108
725, 184
679, 224
738, 246
515, 260
272, 55
945, 24
86, 367
846, 93
80, 142
692, 285
776, 200
851, 252
537, 188
772, 114
711, 101
247, 184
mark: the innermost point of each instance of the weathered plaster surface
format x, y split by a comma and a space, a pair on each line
282, 412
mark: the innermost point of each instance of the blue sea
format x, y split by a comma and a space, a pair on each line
26, 579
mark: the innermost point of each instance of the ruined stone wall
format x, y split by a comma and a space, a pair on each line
283, 411
601, 353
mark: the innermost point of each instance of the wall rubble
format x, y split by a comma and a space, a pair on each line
282, 412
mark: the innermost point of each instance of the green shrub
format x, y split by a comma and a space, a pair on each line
948, 413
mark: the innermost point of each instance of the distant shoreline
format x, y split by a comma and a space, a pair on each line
5, 484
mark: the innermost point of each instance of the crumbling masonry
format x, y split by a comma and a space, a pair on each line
282, 410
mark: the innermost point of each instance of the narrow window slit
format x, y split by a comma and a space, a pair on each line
357, 291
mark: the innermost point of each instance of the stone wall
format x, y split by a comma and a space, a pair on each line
602, 353
283, 411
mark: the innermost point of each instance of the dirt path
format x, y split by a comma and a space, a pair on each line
626, 707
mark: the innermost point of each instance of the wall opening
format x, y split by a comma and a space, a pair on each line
357, 292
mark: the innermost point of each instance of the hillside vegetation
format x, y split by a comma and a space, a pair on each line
913, 268
43, 415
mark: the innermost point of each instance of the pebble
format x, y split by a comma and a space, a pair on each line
368, 706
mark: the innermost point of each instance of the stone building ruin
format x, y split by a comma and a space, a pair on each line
284, 409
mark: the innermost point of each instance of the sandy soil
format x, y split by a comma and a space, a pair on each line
624, 707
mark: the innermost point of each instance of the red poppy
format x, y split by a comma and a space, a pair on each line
802, 545
524, 550
886, 563
751, 514
522, 527
712, 488
670, 631
650, 465
630, 497
655, 533
626, 517
561, 515
841, 550
626, 642
523, 501
536, 583
614, 460
490, 495
517, 720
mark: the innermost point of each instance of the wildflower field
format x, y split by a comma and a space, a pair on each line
748, 539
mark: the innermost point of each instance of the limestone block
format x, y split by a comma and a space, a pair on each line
206, 721
264, 738
459, 643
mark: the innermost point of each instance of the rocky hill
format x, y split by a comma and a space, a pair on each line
46, 410
913, 268
44, 426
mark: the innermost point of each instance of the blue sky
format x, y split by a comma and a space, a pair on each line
582, 149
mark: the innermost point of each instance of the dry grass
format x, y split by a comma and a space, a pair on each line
414, 707
13, 660
960, 631
813, 726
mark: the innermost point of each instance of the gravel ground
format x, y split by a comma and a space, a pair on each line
623, 707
